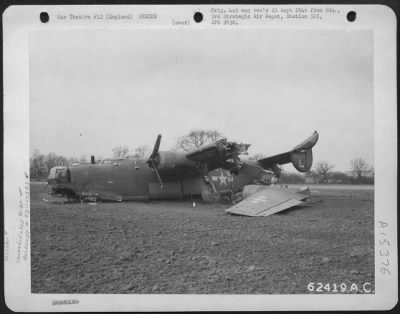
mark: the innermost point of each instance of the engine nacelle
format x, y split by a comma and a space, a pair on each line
166, 160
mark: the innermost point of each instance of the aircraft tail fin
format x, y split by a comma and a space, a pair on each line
308, 143
301, 156
302, 160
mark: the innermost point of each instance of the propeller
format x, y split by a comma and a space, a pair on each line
152, 161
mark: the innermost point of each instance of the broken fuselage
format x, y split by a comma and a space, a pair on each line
127, 179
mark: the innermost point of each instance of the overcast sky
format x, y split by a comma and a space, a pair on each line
93, 90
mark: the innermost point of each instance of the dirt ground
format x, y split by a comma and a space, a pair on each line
173, 247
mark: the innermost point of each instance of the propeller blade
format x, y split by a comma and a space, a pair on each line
152, 159
156, 146
158, 175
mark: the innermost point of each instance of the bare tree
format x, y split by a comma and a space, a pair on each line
38, 164
213, 135
72, 160
371, 170
33, 164
83, 159
359, 167
99, 158
311, 176
51, 160
291, 177
142, 152
323, 168
197, 138
120, 151
61, 161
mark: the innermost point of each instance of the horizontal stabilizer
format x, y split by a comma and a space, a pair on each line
301, 156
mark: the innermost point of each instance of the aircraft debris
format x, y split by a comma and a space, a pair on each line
214, 171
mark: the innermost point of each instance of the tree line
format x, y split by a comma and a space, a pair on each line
360, 173
323, 171
40, 164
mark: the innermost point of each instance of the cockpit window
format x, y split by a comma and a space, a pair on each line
57, 171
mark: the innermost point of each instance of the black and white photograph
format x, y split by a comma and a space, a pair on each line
227, 150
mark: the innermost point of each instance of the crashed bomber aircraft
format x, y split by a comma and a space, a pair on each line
212, 171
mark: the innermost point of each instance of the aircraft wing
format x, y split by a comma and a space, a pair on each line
300, 156
217, 154
268, 200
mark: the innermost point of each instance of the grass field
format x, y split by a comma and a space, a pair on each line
173, 247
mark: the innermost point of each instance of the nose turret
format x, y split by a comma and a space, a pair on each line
58, 175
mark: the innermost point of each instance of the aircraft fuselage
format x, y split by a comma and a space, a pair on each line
127, 179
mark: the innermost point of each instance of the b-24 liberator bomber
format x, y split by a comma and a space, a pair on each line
212, 171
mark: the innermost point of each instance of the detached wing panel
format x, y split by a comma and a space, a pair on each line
280, 207
267, 201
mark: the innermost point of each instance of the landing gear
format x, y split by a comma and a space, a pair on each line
209, 193
237, 164
64, 192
